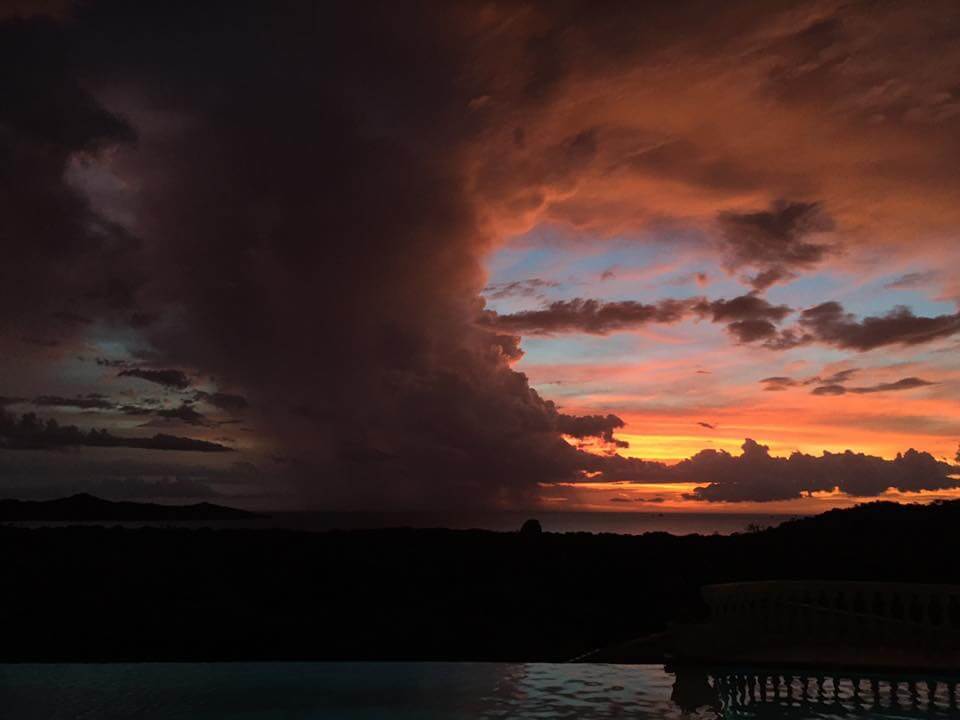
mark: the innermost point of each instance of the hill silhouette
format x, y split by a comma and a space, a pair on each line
97, 593
84, 507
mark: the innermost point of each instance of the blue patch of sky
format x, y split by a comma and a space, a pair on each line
921, 299
578, 348
82, 374
577, 267
862, 298
579, 271
680, 341
809, 289
509, 264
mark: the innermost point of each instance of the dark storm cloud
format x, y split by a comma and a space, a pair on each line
776, 241
781, 382
837, 377
185, 413
748, 317
743, 307
31, 8
778, 382
87, 402
28, 432
829, 390
291, 158
42, 342
757, 476
58, 253
624, 499
908, 383
71, 318
222, 401
313, 188
590, 316
601, 426
828, 323
616, 468
176, 379
747, 331
787, 339
763, 280
531, 287
142, 320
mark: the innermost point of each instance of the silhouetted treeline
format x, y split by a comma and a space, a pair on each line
89, 593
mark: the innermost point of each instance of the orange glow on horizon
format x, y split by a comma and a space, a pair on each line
668, 497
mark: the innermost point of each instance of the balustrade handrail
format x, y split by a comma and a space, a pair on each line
933, 606
765, 585
857, 619
874, 617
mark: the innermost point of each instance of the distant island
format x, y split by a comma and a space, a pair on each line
84, 507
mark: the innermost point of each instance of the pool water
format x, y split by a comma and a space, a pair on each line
347, 691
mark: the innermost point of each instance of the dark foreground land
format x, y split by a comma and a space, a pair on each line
95, 593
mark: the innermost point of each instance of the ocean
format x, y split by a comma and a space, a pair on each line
628, 523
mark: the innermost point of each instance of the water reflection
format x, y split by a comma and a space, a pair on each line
582, 691
455, 691
772, 692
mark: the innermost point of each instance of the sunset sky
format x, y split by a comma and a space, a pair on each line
571, 255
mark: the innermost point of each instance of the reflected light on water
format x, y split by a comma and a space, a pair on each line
455, 691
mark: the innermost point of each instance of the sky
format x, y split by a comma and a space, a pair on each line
630, 256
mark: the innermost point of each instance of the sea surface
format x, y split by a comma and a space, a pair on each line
629, 523
448, 691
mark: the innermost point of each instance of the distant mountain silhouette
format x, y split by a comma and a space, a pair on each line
84, 507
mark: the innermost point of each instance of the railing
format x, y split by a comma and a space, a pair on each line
801, 693
855, 612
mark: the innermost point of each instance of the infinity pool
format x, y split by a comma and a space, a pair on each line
346, 691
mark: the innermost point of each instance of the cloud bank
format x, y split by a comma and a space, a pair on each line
755, 475
28, 432
295, 207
